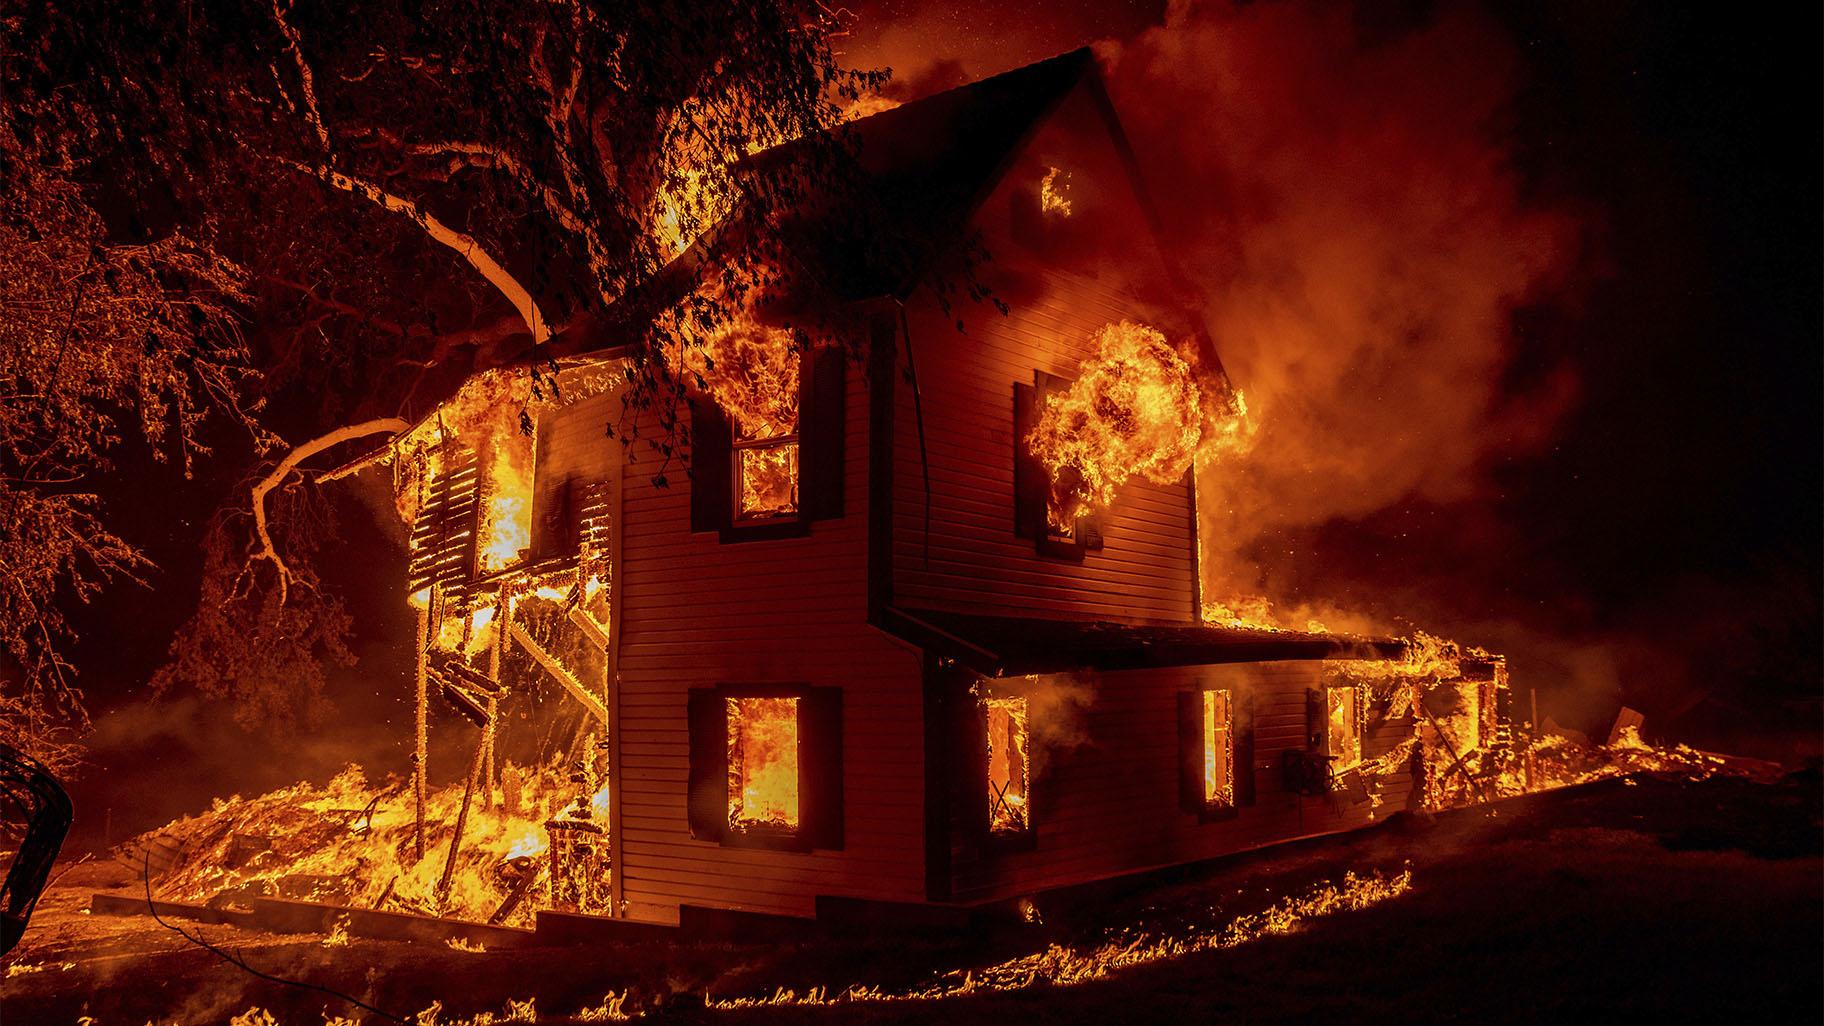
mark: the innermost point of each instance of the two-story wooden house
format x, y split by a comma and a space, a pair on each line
888, 679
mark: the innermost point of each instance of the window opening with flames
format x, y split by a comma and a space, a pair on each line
1009, 777
763, 764
1343, 732
753, 373
1218, 750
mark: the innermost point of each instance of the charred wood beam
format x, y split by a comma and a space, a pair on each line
561, 674
462, 820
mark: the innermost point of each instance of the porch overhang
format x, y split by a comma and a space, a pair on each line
1005, 646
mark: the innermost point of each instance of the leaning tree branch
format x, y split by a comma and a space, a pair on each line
268, 552
463, 245
307, 82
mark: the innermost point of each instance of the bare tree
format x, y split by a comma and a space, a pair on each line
411, 195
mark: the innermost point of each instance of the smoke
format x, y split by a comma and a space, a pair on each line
1057, 713
1345, 199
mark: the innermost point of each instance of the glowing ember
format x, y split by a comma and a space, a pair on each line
1135, 409
763, 763
1007, 765
1054, 192
1218, 754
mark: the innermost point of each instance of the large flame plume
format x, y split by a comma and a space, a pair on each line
751, 371
1135, 408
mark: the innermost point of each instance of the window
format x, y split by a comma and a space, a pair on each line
1009, 766
762, 763
1035, 515
766, 766
754, 477
1218, 750
1344, 712
1216, 743
766, 478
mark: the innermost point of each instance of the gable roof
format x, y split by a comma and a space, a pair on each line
920, 172
923, 168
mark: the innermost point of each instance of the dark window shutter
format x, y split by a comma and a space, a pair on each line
557, 529
708, 795
443, 535
1190, 751
1316, 720
972, 780
1030, 483
710, 483
1244, 748
820, 430
820, 766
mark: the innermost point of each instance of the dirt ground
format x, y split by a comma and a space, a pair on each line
1625, 901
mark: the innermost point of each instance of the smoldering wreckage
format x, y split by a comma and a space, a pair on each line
924, 630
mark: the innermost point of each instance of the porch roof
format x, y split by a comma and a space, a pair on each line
1003, 646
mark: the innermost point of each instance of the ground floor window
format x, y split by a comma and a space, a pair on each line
1343, 727
1218, 750
766, 766
1009, 762
763, 777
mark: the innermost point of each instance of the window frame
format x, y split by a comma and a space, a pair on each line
1193, 736
820, 437
1032, 482
736, 446
1358, 729
1026, 837
1217, 805
820, 769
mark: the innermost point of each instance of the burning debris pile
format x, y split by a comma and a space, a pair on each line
351, 842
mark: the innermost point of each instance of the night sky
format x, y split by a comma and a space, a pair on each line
1657, 542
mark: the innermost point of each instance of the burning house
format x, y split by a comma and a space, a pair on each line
922, 627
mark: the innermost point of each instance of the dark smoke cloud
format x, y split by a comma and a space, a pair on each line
1349, 209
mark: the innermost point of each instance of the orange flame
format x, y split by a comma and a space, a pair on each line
751, 371
762, 763
1135, 409
1054, 192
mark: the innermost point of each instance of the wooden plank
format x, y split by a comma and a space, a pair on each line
561, 674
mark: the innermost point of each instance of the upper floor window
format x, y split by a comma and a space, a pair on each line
766, 443
1036, 512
